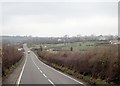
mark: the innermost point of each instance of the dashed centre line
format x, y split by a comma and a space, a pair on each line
43, 73
51, 82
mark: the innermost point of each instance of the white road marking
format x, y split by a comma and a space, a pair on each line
60, 72
18, 81
43, 73
51, 82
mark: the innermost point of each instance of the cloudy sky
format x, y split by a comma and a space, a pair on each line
59, 18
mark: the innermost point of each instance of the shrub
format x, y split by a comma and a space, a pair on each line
100, 62
10, 55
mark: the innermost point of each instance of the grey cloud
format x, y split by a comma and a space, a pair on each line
59, 8
54, 14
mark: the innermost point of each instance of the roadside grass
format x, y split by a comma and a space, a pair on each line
11, 69
96, 66
85, 78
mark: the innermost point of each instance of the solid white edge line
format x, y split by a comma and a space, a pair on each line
18, 81
60, 72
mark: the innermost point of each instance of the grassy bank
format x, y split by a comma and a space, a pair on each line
86, 78
11, 58
97, 66
11, 69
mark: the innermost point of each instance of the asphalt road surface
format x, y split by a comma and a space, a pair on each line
36, 72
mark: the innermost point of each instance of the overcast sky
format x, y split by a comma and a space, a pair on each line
59, 18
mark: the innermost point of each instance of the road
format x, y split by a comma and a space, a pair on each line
36, 72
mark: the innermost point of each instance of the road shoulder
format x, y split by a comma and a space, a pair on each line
13, 77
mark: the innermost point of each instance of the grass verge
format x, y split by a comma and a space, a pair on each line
85, 78
11, 69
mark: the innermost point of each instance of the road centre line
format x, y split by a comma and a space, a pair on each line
43, 73
51, 82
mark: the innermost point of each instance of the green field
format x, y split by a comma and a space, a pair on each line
77, 46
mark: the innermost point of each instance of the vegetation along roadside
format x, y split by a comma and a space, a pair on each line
12, 56
99, 65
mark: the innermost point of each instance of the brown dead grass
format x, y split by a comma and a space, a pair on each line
10, 56
100, 62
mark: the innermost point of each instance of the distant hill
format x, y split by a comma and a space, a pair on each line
39, 40
12, 39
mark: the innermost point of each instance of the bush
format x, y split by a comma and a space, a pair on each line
10, 55
100, 62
